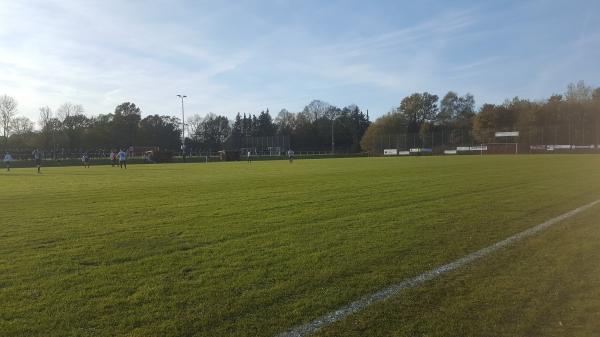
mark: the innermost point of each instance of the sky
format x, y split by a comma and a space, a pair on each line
247, 56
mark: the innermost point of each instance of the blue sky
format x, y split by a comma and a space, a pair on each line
246, 56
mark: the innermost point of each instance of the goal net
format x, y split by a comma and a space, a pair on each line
274, 150
502, 148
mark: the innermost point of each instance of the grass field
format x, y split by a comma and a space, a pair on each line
237, 249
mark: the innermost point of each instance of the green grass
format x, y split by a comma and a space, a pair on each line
237, 249
548, 285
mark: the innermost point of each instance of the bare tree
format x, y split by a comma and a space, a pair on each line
21, 126
69, 109
45, 116
579, 92
48, 125
285, 122
316, 109
8, 111
194, 125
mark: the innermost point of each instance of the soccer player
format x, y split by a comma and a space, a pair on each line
37, 157
249, 158
113, 158
86, 160
122, 155
7, 159
290, 154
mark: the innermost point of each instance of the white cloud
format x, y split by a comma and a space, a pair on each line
91, 54
234, 57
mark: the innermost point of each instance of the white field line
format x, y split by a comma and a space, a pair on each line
362, 303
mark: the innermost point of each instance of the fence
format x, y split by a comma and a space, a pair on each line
547, 139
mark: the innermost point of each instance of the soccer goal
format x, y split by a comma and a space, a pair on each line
274, 150
502, 148
506, 147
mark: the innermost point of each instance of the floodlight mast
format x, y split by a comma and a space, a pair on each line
333, 118
182, 127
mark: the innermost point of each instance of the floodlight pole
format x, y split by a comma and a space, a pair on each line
332, 139
53, 140
182, 126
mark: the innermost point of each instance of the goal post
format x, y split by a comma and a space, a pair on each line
510, 146
274, 150
501, 148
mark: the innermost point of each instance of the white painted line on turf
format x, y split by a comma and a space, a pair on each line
360, 304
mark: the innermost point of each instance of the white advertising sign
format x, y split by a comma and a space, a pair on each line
508, 134
390, 152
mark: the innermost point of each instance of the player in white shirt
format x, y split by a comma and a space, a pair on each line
37, 157
290, 154
122, 155
86, 160
7, 159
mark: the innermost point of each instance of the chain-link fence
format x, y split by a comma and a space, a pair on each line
549, 139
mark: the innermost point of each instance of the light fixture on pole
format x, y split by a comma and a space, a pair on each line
333, 118
182, 126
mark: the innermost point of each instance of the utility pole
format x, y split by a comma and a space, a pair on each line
53, 126
182, 127
332, 139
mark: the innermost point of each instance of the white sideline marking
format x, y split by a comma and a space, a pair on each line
360, 304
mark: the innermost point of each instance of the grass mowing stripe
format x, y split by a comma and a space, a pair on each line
239, 250
358, 305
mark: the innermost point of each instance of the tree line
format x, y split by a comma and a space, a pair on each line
421, 119
569, 118
69, 128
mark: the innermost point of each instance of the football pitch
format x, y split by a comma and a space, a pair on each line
238, 249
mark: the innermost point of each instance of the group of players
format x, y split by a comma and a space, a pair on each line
116, 159
35, 155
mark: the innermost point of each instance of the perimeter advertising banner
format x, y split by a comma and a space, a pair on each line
508, 134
